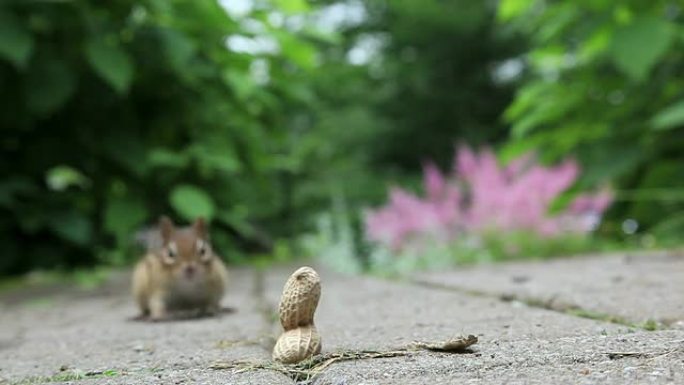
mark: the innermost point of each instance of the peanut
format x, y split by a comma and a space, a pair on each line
297, 306
297, 344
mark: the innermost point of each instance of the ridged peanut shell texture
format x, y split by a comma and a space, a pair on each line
297, 344
300, 298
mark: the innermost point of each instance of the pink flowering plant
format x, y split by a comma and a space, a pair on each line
482, 200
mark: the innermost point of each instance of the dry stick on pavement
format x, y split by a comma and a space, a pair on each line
648, 355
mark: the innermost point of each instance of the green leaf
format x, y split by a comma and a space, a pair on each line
669, 118
509, 9
220, 162
328, 37
123, 215
59, 178
127, 148
548, 110
179, 50
215, 153
637, 47
608, 160
237, 219
559, 21
11, 187
161, 157
242, 85
51, 83
549, 58
292, 6
622, 14
111, 63
596, 44
527, 98
299, 51
16, 42
192, 202
71, 226
212, 15
671, 227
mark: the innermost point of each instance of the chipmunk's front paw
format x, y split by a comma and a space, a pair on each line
157, 311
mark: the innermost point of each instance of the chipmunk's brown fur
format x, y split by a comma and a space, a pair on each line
183, 274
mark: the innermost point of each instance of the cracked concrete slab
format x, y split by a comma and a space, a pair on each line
636, 288
518, 344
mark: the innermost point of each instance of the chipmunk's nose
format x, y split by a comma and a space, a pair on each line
190, 271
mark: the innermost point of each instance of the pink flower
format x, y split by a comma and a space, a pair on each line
465, 163
433, 181
595, 203
483, 196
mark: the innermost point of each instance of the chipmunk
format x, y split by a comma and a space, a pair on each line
182, 273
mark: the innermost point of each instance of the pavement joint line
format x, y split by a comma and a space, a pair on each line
550, 304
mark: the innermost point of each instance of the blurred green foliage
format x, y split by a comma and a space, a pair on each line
402, 84
437, 69
594, 79
426, 84
604, 82
115, 112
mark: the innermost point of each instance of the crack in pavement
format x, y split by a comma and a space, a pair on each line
551, 304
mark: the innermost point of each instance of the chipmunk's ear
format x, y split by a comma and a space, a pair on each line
166, 228
200, 227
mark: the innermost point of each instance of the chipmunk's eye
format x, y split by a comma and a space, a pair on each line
171, 250
202, 248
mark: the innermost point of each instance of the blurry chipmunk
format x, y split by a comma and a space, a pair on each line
181, 273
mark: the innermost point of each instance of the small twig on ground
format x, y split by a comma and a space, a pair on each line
649, 355
310, 367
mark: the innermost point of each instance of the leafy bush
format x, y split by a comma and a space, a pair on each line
601, 82
429, 80
403, 82
115, 112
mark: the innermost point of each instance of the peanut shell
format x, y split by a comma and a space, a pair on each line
300, 298
297, 344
